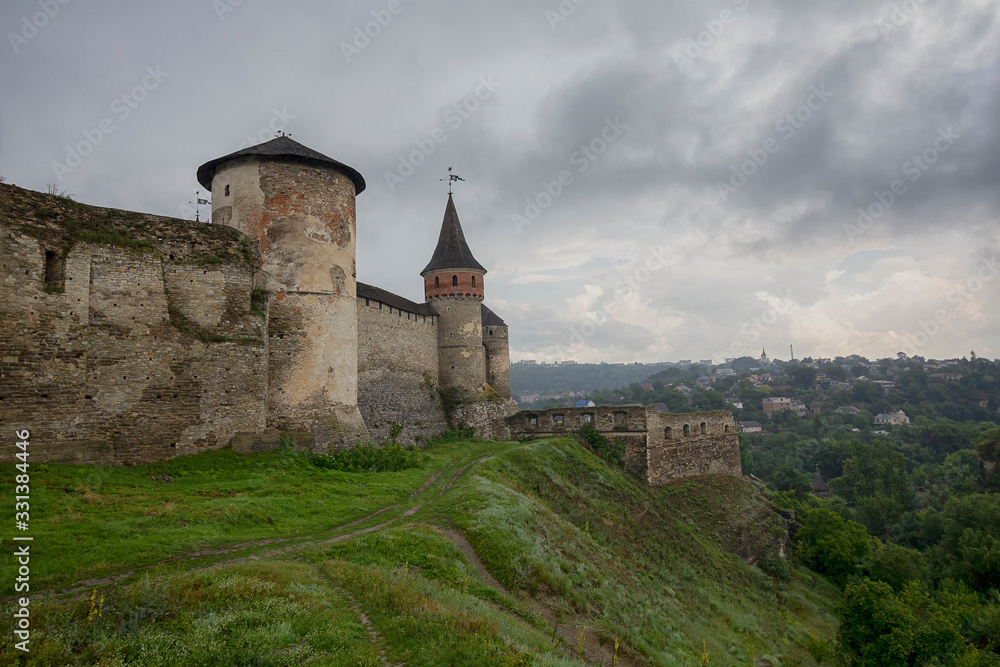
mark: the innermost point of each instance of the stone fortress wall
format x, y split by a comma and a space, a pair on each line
119, 353
398, 367
147, 342
127, 337
659, 447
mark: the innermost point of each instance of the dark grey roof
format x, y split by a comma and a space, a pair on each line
491, 319
394, 300
452, 251
281, 147
819, 484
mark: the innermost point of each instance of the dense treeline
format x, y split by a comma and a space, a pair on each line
537, 379
911, 528
911, 531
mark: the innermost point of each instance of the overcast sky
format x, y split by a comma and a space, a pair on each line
645, 181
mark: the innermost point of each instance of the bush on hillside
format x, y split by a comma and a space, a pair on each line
369, 458
612, 452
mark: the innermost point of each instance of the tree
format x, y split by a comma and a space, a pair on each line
875, 468
787, 478
831, 545
802, 377
895, 565
914, 627
875, 627
969, 548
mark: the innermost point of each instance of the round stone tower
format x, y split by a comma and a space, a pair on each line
453, 284
298, 206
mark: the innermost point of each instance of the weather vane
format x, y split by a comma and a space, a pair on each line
198, 203
451, 179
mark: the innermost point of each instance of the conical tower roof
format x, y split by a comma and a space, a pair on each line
281, 147
452, 251
819, 484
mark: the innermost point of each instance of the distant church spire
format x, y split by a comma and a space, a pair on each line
452, 250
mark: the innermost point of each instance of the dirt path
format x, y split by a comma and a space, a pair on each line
466, 548
373, 635
304, 542
573, 634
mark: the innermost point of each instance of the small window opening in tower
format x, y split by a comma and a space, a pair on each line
227, 189
473, 281
454, 281
437, 282
55, 271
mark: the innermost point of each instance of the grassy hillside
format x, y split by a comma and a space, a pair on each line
486, 554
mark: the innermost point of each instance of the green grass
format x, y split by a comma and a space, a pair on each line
91, 522
571, 540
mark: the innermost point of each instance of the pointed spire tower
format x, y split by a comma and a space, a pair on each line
453, 284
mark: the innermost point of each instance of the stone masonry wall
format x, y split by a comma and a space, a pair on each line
398, 372
125, 337
710, 444
696, 443
625, 423
497, 346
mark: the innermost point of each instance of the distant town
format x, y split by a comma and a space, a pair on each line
873, 396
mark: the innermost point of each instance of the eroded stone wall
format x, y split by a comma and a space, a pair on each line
302, 218
697, 443
138, 348
398, 372
462, 356
708, 444
497, 346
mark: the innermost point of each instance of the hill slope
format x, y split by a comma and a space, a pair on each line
489, 554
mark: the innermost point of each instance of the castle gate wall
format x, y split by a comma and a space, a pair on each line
697, 443
708, 444
112, 354
398, 372
625, 423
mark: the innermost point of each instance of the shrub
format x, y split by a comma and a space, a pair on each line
369, 458
774, 566
612, 452
456, 434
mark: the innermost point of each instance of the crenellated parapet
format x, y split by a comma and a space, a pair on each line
659, 447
